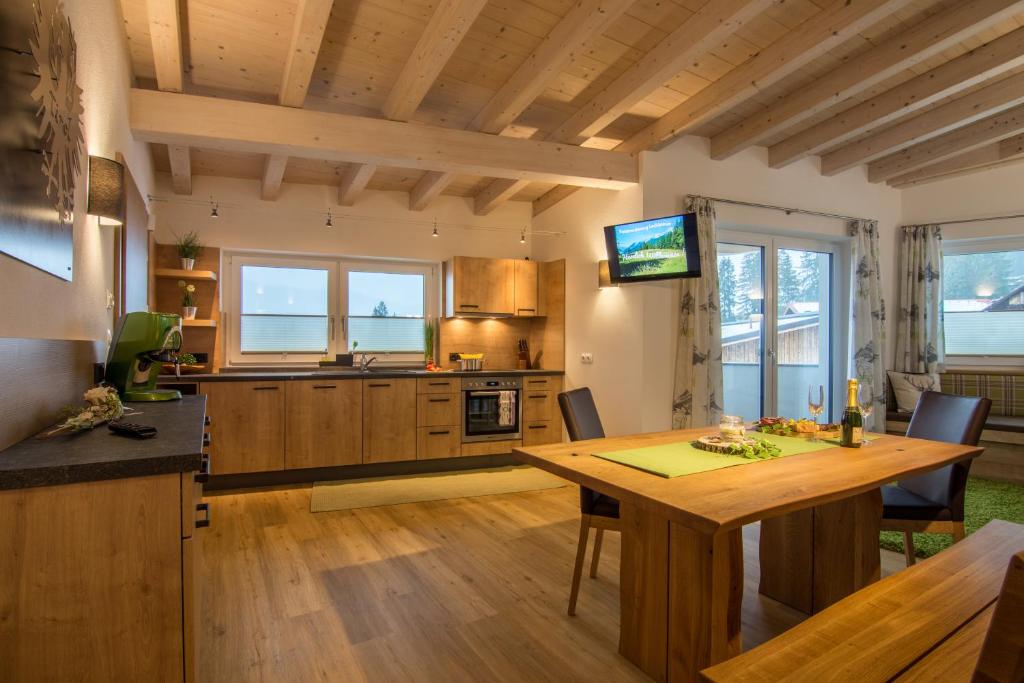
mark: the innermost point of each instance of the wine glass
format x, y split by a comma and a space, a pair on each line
815, 406
866, 403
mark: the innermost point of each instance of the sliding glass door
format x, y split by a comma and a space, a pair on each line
778, 346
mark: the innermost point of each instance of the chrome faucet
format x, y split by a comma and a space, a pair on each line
364, 364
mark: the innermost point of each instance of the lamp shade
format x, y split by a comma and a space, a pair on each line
604, 277
106, 189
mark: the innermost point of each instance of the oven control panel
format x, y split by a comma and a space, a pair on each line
477, 383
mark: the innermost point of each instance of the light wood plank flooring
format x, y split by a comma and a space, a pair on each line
460, 590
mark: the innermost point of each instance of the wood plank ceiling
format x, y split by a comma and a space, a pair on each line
915, 89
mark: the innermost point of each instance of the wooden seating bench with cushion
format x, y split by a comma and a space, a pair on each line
1003, 438
952, 617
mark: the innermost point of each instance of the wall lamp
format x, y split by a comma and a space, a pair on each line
604, 276
106, 191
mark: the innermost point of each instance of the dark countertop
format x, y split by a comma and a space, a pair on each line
100, 455
265, 375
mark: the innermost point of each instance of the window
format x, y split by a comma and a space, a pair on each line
385, 311
983, 300
298, 310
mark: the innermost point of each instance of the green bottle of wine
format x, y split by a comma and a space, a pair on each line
853, 422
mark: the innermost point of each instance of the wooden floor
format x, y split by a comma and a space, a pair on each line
460, 590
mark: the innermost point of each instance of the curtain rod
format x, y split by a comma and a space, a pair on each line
786, 209
976, 220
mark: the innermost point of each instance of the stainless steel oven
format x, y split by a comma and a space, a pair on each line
491, 408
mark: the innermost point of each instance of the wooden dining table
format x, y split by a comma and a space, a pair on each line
681, 574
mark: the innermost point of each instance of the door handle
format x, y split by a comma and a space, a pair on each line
205, 521
374, 386
447, 431
332, 327
325, 386
439, 400
264, 388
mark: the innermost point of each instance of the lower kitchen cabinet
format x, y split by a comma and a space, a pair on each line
541, 432
248, 426
438, 442
323, 423
389, 420
97, 581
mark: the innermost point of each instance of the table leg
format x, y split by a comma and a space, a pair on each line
681, 594
813, 558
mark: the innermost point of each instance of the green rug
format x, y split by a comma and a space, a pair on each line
986, 500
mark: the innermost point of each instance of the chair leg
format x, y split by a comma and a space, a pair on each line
577, 570
908, 547
598, 537
958, 532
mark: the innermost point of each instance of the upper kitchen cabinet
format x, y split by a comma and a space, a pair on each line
479, 286
525, 289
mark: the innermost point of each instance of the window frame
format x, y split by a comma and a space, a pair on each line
980, 245
338, 268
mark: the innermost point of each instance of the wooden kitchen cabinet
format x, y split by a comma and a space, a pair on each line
438, 442
438, 410
323, 423
525, 290
389, 420
539, 405
540, 432
248, 426
479, 286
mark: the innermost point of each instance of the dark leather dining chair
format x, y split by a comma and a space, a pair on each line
934, 502
597, 510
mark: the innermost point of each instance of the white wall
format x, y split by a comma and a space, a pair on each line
379, 225
995, 192
38, 305
631, 330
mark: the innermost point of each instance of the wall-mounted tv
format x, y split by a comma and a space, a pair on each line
655, 249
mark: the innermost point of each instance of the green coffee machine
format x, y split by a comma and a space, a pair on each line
142, 342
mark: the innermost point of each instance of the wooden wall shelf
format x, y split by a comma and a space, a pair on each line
199, 323
178, 273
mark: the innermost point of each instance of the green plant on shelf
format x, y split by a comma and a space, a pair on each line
188, 294
188, 245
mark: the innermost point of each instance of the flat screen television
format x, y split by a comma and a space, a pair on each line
654, 249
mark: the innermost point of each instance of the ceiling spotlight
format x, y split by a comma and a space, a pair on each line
435, 233
214, 208
522, 237
329, 223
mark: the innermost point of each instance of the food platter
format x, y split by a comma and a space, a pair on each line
801, 429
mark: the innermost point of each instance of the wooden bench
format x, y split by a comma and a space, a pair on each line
942, 619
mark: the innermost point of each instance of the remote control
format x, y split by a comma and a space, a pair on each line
131, 429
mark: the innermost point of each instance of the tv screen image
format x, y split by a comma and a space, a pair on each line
654, 249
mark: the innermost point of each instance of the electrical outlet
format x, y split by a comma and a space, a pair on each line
586, 357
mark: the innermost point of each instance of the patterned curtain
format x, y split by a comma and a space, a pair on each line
920, 346
698, 374
867, 312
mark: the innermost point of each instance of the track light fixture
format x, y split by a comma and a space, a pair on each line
435, 233
522, 236
329, 223
214, 208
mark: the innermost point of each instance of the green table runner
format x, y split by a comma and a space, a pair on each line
679, 459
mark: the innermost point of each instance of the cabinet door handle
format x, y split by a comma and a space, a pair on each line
439, 384
447, 431
325, 386
468, 306
203, 475
205, 521
532, 310
206, 439
537, 427
537, 381
439, 400
264, 388
374, 386
537, 396
206, 421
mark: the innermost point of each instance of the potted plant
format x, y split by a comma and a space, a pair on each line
428, 342
189, 248
188, 300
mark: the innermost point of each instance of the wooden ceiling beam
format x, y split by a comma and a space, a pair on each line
273, 175
552, 197
353, 182
445, 30
818, 35
567, 41
978, 134
919, 42
995, 154
165, 35
181, 168
495, 194
213, 122
965, 71
1002, 94
311, 18
428, 188
705, 29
